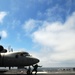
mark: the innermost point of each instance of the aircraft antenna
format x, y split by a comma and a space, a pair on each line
9, 48
0, 37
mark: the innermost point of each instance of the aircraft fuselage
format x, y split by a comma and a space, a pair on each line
16, 59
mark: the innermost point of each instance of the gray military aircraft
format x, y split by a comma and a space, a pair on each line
16, 59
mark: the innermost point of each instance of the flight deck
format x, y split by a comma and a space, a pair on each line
23, 72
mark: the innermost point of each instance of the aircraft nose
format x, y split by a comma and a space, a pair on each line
36, 60
32, 60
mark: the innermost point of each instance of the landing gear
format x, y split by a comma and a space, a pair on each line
29, 72
9, 68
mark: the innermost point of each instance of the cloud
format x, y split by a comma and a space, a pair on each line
30, 25
56, 12
2, 15
57, 41
19, 37
15, 24
3, 33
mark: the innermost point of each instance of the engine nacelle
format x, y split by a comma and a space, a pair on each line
2, 50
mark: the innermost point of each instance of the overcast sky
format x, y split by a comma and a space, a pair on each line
44, 28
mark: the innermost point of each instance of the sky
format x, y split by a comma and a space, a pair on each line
44, 28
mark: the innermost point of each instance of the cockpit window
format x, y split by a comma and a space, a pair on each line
24, 54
